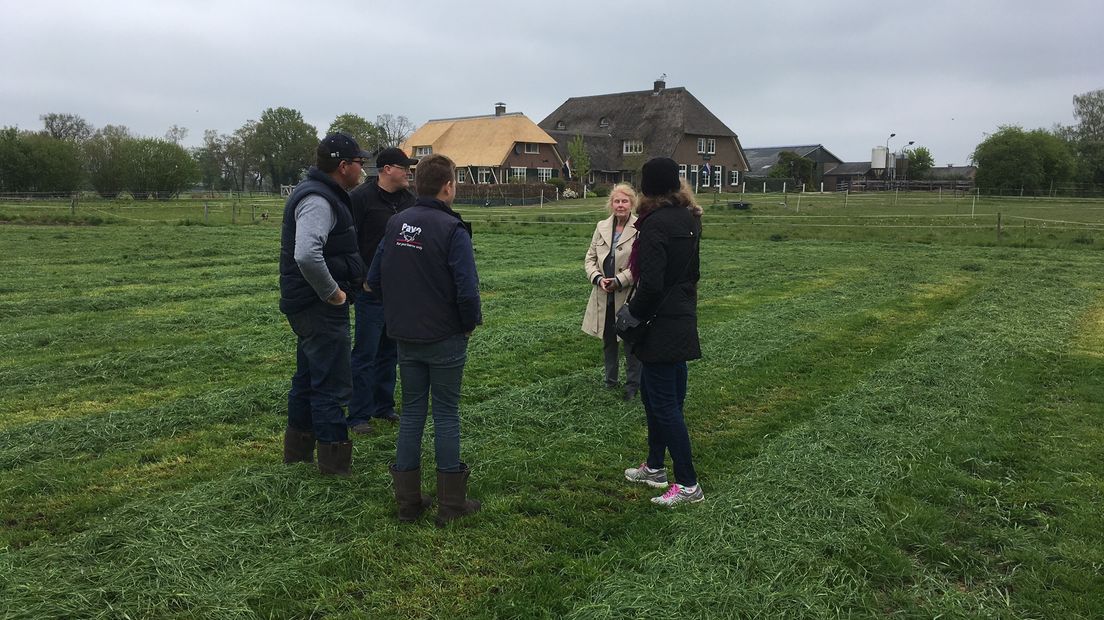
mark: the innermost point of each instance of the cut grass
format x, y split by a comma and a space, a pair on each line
881, 430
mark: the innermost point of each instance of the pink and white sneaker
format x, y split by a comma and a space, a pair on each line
677, 494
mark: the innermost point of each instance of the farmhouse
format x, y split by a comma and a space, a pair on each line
761, 160
621, 131
850, 175
499, 148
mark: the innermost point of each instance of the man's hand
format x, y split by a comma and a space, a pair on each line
337, 298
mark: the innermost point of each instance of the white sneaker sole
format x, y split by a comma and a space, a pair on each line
651, 483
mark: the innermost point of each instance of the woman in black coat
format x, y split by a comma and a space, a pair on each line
664, 264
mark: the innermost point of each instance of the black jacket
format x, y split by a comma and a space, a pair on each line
667, 256
425, 273
372, 207
340, 251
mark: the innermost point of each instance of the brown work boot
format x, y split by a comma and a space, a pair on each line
298, 446
452, 492
408, 494
335, 459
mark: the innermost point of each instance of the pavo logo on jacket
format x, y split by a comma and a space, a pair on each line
408, 236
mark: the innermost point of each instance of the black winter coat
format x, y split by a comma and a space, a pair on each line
667, 256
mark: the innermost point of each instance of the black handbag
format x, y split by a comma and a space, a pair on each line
629, 328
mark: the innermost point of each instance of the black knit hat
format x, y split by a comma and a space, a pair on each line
660, 176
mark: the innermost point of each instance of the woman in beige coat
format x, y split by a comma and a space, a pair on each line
607, 268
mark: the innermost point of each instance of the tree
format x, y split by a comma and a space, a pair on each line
1016, 159
157, 168
793, 166
286, 144
920, 162
38, 162
105, 160
176, 134
68, 127
1088, 109
580, 159
393, 129
366, 133
1087, 136
210, 160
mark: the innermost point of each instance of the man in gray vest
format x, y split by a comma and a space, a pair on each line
320, 266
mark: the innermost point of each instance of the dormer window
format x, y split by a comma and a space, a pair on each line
632, 147
423, 151
560, 125
603, 122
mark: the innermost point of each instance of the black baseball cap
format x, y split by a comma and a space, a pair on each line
340, 146
393, 156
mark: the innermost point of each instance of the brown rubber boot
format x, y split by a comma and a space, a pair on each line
298, 446
452, 492
408, 494
335, 459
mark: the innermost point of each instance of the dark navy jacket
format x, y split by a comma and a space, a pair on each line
424, 270
340, 251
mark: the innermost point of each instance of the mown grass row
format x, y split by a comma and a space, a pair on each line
866, 421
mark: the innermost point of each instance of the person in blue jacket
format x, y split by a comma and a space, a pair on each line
424, 271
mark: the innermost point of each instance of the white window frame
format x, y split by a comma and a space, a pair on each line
707, 145
733, 177
718, 175
544, 174
632, 147
532, 148
682, 171
461, 174
423, 151
517, 174
484, 176
694, 173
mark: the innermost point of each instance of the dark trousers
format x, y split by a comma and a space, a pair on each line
321, 384
609, 354
663, 390
373, 362
435, 370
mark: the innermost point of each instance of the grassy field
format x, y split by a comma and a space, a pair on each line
888, 422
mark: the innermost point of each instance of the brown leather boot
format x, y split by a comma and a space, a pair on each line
408, 494
452, 492
335, 459
298, 446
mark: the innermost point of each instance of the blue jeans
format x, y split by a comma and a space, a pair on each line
373, 361
320, 386
663, 390
436, 369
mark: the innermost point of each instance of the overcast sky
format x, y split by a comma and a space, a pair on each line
844, 74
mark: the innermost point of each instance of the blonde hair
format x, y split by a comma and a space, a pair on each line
628, 191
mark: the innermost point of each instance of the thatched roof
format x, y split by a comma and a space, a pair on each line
477, 140
660, 118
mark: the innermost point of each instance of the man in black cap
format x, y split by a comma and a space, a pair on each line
320, 266
374, 354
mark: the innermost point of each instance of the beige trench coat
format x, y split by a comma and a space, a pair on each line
594, 320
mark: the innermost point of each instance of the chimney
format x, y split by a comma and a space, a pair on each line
500, 108
658, 86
